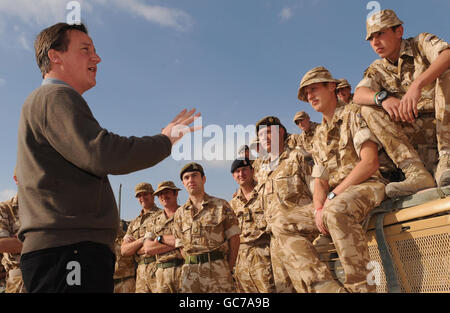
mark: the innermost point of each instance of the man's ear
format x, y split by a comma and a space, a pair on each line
399, 31
53, 55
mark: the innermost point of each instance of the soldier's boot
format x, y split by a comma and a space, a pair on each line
443, 171
417, 178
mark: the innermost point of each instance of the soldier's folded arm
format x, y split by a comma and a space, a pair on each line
152, 247
131, 245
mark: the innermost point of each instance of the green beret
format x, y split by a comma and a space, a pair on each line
269, 121
191, 167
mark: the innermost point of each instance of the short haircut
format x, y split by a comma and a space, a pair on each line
53, 37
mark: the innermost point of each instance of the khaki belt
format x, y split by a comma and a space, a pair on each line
147, 260
204, 258
173, 263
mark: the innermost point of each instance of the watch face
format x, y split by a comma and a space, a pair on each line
382, 95
331, 195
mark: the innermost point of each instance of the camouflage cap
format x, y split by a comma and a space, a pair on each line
269, 121
165, 185
343, 83
191, 167
300, 116
143, 187
317, 75
381, 20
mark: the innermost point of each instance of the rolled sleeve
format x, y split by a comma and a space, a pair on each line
320, 171
232, 231
370, 80
361, 137
178, 243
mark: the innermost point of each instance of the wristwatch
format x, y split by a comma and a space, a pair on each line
160, 239
331, 195
380, 97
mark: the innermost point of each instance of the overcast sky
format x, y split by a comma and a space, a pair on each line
236, 61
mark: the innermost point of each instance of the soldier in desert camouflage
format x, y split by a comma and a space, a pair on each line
125, 267
134, 239
348, 184
344, 91
286, 201
10, 246
160, 242
411, 82
253, 271
207, 231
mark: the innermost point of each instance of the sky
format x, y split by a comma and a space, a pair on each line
235, 61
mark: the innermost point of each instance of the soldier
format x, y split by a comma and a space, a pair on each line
344, 91
411, 82
286, 201
160, 242
207, 230
125, 267
253, 271
348, 184
10, 246
134, 239
304, 140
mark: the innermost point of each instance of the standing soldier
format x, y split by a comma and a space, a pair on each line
253, 270
287, 207
134, 239
304, 140
348, 184
10, 246
125, 267
207, 230
411, 82
160, 242
344, 91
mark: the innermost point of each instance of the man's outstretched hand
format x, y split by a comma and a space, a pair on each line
179, 126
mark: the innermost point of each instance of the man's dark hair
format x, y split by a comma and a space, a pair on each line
53, 37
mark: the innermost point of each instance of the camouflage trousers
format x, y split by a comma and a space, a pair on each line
253, 271
295, 262
168, 280
14, 282
145, 278
125, 285
209, 277
342, 217
442, 106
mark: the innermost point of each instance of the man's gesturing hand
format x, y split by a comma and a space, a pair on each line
176, 129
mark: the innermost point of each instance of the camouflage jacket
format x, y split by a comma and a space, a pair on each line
159, 225
284, 191
337, 145
138, 227
416, 55
208, 229
304, 139
125, 265
250, 215
9, 226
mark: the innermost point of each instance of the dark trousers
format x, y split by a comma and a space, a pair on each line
82, 267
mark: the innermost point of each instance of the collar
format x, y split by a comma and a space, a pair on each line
49, 81
405, 51
206, 200
242, 198
337, 116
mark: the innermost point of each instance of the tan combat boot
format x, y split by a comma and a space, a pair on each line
417, 178
443, 171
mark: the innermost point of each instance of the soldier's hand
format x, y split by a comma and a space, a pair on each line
391, 106
319, 221
408, 105
179, 126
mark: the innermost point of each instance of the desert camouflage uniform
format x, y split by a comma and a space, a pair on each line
3, 276
336, 152
125, 268
137, 229
167, 278
9, 226
286, 202
304, 139
431, 131
253, 271
206, 231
